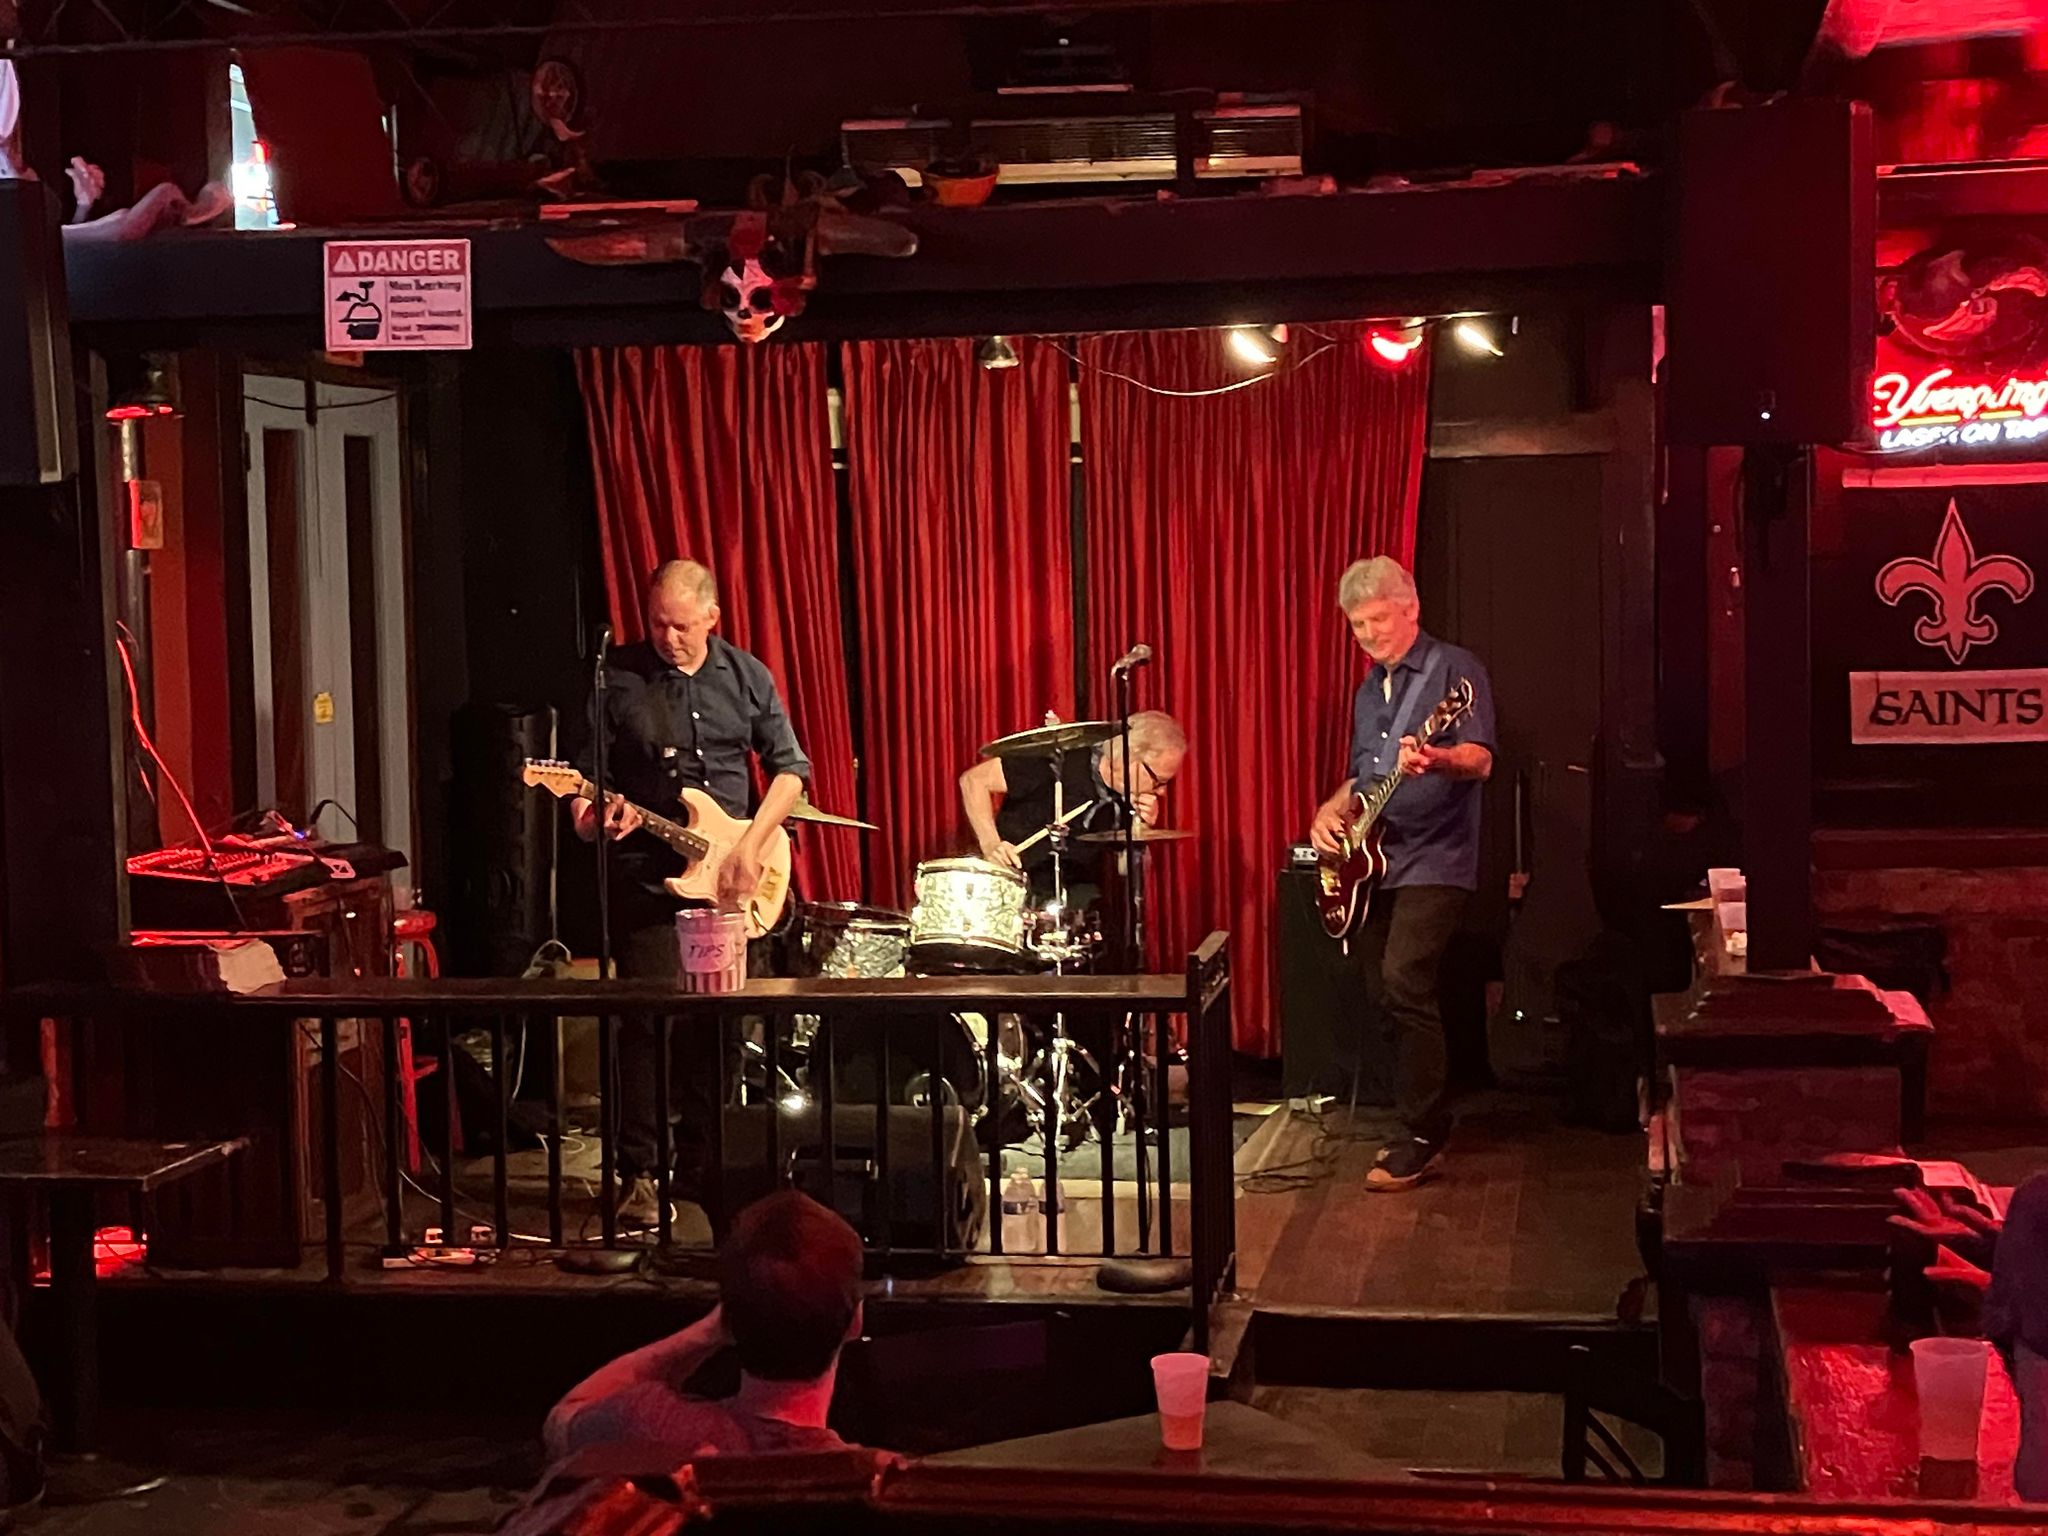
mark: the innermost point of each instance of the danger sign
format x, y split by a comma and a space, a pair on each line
397, 295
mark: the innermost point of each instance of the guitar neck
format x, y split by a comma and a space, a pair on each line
674, 833
1374, 800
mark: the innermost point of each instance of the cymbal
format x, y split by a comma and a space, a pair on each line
1142, 836
1044, 740
803, 810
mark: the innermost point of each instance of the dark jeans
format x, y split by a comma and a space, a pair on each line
697, 1076
1404, 940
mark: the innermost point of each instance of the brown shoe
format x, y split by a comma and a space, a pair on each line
641, 1209
1403, 1165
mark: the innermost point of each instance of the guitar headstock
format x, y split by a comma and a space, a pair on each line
1448, 711
562, 780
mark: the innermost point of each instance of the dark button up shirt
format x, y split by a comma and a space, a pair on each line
1027, 806
1432, 822
670, 730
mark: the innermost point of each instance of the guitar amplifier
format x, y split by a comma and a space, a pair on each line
1326, 1030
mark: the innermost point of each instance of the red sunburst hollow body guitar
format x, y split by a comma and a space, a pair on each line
1346, 879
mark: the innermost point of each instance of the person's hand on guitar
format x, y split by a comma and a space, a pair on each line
740, 876
1417, 759
621, 819
1333, 817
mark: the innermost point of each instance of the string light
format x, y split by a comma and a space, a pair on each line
1190, 394
1394, 345
1474, 337
1258, 345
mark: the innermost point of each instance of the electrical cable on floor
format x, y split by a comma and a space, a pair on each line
1326, 1149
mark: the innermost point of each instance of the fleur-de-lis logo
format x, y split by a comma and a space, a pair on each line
1955, 579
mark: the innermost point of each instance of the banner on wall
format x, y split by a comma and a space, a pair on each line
1947, 708
1929, 630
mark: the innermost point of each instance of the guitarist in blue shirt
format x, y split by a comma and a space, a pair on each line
1431, 831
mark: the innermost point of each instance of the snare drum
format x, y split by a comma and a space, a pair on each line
969, 916
842, 939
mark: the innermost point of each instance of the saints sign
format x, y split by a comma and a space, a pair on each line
1950, 591
1954, 583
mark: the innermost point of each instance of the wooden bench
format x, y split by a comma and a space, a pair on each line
70, 1173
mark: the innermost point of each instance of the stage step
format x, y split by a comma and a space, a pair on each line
1305, 1346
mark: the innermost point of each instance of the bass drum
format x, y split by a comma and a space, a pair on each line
947, 1052
969, 916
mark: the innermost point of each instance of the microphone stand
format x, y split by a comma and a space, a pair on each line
1134, 904
1134, 954
607, 1033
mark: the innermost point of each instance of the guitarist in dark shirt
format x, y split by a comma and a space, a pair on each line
1431, 829
684, 709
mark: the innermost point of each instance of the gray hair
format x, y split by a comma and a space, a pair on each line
1367, 581
1152, 731
688, 578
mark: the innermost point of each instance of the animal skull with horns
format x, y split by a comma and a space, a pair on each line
759, 267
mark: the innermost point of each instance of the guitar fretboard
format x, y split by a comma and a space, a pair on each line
674, 833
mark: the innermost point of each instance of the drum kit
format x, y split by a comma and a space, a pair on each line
971, 916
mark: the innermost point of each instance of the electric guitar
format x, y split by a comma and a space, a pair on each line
1347, 878
706, 841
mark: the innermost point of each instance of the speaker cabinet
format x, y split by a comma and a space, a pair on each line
38, 417
504, 839
1327, 1032
1771, 321
913, 1205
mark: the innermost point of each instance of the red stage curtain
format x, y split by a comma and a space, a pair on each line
724, 455
1217, 528
959, 480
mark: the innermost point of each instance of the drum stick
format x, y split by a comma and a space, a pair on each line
1042, 831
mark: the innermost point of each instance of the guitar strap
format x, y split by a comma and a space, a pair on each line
1407, 707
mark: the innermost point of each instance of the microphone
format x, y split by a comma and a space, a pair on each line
1131, 660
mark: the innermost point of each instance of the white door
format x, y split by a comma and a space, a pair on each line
329, 609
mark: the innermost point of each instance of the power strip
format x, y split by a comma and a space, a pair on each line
435, 1258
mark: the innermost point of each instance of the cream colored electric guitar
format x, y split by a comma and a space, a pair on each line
706, 841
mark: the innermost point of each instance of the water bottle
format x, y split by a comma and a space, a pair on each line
1023, 1221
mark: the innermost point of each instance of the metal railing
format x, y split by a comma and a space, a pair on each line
832, 1143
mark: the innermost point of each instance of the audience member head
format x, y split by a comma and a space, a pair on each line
789, 1287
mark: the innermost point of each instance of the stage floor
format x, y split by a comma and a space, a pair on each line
1532, 1218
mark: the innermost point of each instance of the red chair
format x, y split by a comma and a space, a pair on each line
412, 930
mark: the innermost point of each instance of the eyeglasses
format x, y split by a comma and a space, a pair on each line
1158, 784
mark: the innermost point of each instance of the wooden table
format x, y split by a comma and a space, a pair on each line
1237, 1441
70, 1172
1853, 1412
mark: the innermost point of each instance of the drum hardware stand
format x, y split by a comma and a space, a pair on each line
1054, 1110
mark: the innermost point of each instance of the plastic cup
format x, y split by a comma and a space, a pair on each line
1948, 1375
1181, 1382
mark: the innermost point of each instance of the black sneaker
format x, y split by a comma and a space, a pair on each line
1404, 1164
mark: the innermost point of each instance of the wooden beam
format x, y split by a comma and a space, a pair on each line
1777, 774
1084, 263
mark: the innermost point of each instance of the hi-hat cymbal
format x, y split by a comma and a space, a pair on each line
1143, 835
1044, 740
803, 810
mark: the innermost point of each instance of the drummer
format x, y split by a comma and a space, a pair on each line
1007, 800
